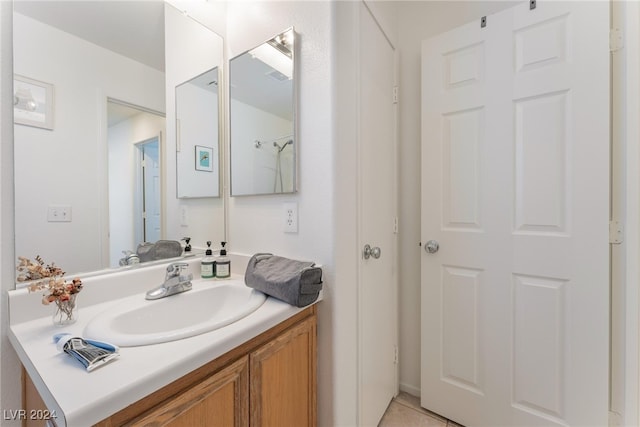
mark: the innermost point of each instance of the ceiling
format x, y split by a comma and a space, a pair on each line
132, 28
252, 82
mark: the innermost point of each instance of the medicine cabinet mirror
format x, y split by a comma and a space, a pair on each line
197, 136
262, 114
108, 70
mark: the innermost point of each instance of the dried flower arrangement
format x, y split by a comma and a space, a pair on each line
50, 278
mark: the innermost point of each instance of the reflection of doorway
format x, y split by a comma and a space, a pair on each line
147, 194
130, 130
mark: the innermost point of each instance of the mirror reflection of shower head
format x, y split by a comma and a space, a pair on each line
275, 144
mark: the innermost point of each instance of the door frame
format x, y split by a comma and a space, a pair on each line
625, 206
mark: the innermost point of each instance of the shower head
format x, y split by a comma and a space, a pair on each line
280, 148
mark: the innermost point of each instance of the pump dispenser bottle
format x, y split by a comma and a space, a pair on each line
223, 264
187, 247
208, 264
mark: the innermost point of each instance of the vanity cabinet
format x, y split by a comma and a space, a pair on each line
267, 381
283, 377
218, 401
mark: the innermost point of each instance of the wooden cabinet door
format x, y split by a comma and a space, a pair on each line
283, 379
221, 400
32, 402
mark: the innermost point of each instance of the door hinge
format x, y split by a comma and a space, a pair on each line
395, 225
616, 232
616, 39
395, 354
395, 94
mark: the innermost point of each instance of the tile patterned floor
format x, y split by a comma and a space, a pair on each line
405, 411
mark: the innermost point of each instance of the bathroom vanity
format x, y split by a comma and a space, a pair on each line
259, 370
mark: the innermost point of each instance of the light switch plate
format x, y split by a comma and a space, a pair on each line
59, 213
184, 216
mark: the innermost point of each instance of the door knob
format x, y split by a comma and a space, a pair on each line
432, 246
371, 252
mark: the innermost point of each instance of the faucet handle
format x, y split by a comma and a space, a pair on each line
175, 268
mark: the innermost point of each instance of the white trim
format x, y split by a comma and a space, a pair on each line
357, 24
632, 330
103, 174
625, 379
408, 388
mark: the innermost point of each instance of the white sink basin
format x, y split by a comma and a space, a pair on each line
208, 306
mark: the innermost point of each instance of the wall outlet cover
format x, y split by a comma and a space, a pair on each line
290, 217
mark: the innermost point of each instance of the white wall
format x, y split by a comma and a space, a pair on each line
121, 140
418, 21
70, 166
10, 397
255, 222
190, 49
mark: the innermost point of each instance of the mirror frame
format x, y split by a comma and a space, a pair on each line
295, 114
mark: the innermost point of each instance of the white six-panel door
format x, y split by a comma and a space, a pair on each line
515, 190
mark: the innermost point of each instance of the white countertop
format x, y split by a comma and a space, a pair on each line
80, 398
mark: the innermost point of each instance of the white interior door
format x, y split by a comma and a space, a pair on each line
377, 177
515, 190
147, 196
152, 191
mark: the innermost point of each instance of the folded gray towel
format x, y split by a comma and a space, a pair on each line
161, 249
295, 282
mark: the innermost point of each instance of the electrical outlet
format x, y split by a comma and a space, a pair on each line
59, 213
290, 214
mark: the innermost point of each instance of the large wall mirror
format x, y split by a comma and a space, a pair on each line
262, 116
91, 80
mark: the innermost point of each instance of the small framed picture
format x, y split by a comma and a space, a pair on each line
204, 158
32, 102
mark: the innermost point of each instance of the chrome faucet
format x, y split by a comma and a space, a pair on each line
174, 282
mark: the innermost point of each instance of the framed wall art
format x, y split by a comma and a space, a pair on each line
204, 158
32, 102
